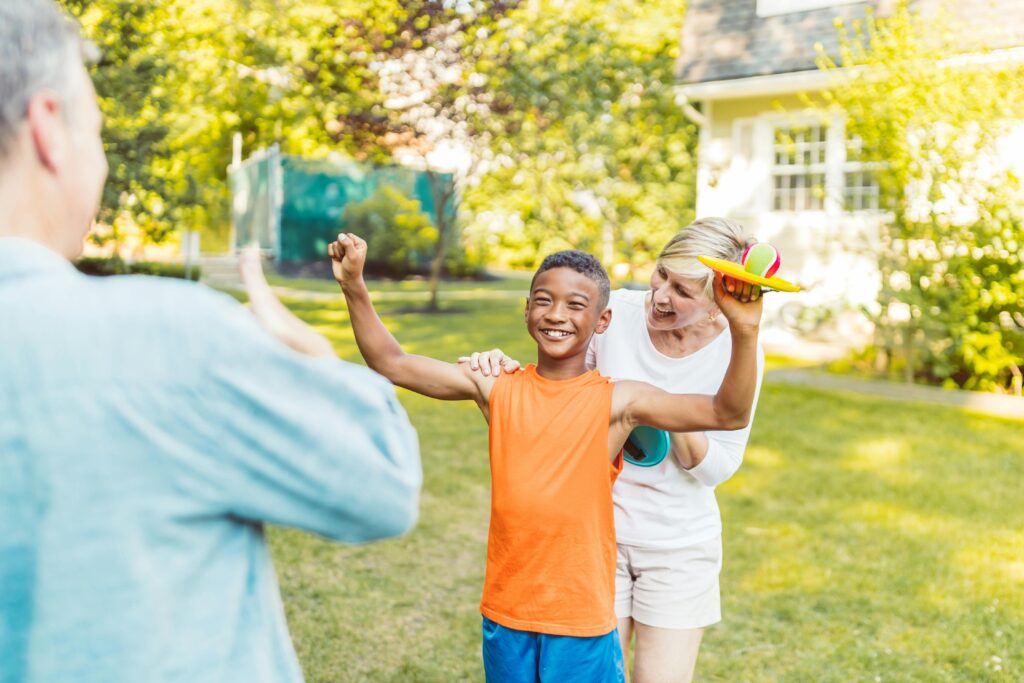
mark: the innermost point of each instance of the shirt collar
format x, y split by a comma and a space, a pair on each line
20, 257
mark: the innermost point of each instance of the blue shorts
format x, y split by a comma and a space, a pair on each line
512, 656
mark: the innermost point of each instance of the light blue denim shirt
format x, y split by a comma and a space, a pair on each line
148, 429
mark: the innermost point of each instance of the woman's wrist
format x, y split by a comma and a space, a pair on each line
744, 329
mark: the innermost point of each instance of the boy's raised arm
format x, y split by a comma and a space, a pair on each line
732, 406
380, 349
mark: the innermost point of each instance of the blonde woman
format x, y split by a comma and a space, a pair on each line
667, 522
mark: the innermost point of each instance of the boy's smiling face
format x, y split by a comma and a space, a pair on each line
563, 312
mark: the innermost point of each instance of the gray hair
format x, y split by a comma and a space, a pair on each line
716, 237
39, 46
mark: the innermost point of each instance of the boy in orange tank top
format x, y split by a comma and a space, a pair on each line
556, 435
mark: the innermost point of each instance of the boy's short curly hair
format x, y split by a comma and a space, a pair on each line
584, 264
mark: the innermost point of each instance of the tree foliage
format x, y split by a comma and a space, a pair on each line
176, 81
935, 116
589, 148
565, 110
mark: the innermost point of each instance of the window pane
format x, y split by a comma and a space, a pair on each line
860, 192
816, 191
798, 149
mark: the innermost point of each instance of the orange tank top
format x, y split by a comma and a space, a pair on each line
551, 546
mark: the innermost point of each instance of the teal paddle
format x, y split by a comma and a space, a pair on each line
646, 446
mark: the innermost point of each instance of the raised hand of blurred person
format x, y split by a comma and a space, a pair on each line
273, 315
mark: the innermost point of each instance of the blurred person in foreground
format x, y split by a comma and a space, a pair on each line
149, 428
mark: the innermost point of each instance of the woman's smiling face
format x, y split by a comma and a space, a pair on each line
676, 301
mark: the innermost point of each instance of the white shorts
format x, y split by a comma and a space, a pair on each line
673, 588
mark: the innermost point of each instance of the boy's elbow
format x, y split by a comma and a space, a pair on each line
392, 367
383, 365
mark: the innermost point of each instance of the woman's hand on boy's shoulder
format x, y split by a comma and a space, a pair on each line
272, 315
490, 363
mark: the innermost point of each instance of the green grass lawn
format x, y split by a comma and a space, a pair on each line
865, 539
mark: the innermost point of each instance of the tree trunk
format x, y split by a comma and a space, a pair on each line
436, 264
909, 353
442, 194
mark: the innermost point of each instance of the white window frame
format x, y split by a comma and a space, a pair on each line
819, 167
834, 167
772, 8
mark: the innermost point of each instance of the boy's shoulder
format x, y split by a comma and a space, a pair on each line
509, 379
484, 384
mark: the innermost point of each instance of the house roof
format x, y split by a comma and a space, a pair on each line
725, 39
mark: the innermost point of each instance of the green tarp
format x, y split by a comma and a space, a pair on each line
294, 206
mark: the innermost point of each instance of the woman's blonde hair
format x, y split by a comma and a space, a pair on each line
718, 237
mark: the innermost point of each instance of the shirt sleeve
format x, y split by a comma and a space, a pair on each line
725, 449
313, 443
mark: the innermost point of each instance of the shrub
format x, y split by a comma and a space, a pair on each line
400, 237
91, 265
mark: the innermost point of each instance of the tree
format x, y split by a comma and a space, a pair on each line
175, 83
382, 85
589, 148
432, 104
933, 115
599, 127
425, 103
135, 130
177, 80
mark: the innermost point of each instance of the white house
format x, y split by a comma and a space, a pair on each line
786, 173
